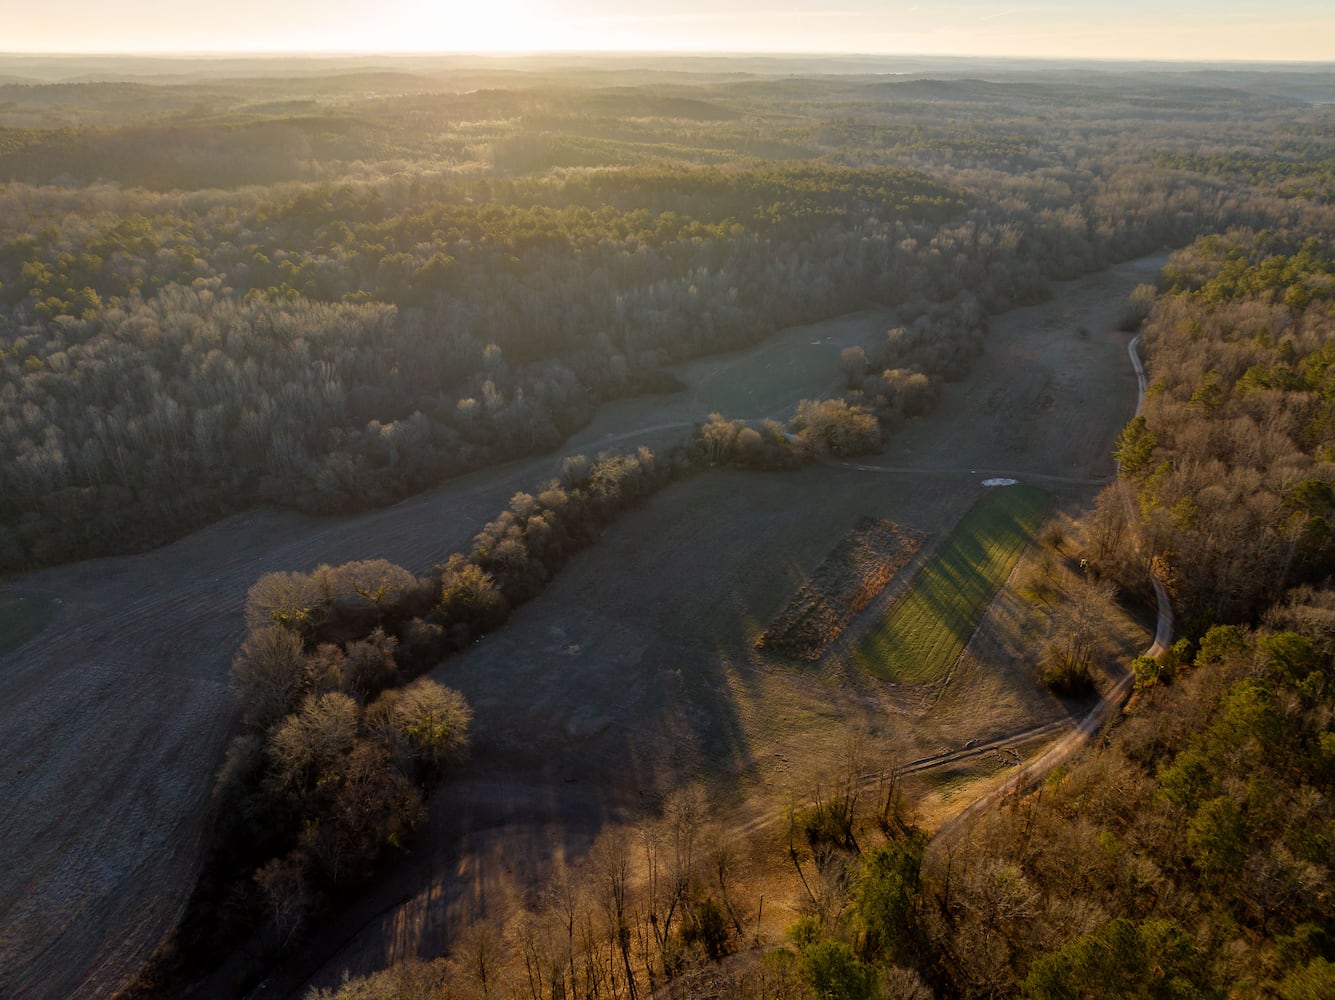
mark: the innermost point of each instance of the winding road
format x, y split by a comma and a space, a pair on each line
1113, 700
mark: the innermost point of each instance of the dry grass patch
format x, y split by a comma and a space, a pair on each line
848, 579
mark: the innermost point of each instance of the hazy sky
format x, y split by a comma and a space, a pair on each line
1144, 29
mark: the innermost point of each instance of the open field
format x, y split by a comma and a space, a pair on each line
922, 636
636, 670
23, 618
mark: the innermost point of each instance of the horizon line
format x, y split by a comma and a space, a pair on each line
639, 53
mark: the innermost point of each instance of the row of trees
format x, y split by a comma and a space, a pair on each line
660, 906
342, 736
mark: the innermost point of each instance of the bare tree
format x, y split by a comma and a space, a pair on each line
297, 601
268, 675
480, 951
1078, 630
376, 582
430, 723
287, 897
311, 745
670, 854
609, 861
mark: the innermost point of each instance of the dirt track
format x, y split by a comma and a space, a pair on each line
117, 715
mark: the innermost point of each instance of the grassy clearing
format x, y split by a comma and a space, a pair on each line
924, 632
762, 381
21, 618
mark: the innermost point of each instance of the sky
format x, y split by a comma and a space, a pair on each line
1281, 30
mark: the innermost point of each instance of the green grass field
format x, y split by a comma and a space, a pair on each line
21, 618
924, 631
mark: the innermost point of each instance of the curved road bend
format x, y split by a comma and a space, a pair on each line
1113, 701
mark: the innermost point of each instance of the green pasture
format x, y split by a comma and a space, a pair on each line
924, 632
21, 618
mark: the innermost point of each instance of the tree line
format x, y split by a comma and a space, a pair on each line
342, 735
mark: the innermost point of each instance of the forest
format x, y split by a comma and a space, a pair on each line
323, 321
327, 291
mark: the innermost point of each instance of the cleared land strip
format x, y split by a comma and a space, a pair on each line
1116, 698
927, 628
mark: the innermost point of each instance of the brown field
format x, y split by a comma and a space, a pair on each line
635, 672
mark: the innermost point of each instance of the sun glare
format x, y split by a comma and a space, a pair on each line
1294, 30
481, 26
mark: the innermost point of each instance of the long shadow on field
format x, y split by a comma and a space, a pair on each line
948, 600
590, 706
633, 673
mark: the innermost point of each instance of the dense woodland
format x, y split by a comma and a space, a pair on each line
209, 305
1234, 457
332, 290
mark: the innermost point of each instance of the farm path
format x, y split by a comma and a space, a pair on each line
1112, 701
1004, 746
1031, 774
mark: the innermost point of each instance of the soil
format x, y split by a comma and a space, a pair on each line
634, 673
848, 579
